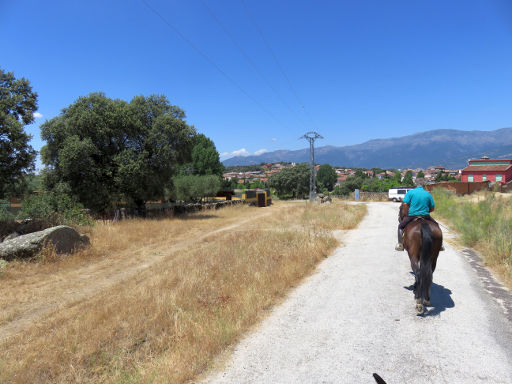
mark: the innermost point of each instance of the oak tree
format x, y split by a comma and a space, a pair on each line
109, 150
17, 106
326, 177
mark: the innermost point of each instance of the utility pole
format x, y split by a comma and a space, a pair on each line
311, 137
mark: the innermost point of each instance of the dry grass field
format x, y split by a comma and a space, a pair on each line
154, 301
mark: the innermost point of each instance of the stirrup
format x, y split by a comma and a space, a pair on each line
399, 247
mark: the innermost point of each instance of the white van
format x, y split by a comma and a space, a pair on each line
397, 194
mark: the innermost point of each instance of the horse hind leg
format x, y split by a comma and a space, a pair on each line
420, 308
426, 301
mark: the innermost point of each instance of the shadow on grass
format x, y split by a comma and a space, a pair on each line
196, 216
440, 299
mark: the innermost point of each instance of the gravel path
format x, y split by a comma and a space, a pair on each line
355, 316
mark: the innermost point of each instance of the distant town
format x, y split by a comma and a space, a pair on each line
477, 170
262, 173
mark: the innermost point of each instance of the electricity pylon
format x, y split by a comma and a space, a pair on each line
311, 137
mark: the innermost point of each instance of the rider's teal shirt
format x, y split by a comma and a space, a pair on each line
420, 201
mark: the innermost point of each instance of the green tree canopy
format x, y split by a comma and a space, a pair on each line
350, 184
291, 182
205, 158
369, 184
160, 141
407, 181
326, 177
441, 176
195, 187
81, 146
258, 184
17, 106
420, 175
106, 150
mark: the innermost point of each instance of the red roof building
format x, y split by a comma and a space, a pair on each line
499, 170
341, 178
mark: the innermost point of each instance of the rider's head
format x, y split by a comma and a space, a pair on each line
420, 182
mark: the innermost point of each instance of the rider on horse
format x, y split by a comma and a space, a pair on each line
420, 203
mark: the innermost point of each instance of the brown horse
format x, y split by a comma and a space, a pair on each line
422, 239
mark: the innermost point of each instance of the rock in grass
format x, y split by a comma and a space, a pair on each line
11, 236
65, 240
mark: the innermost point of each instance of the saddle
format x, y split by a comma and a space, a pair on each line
410, 219
416, 218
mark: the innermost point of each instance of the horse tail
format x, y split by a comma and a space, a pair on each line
425, 273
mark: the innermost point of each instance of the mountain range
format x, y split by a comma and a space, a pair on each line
447, 147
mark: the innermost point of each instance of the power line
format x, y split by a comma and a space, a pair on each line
253, 64
275, 59
211, 62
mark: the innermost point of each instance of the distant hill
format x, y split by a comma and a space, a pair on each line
447, 147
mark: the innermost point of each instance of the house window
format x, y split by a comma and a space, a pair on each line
484, 177
498, 177
470, 178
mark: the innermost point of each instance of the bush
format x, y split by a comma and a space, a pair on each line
54, 208
195, 187
5, 214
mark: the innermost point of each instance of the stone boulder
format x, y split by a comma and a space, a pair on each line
323, 198
11, 236
64, 238
326, 199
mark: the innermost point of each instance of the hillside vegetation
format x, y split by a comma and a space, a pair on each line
156, 300
484, 222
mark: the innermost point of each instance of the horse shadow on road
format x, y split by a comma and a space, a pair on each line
440, 299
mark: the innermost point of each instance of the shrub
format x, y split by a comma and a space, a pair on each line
195, 187
54, 208
5, 214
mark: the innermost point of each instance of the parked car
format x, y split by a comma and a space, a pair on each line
397, 194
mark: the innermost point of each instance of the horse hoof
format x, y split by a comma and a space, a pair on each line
420, 309
427, 303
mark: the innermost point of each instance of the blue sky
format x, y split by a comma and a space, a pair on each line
351, 70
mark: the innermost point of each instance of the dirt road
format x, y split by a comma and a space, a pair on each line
356, 316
